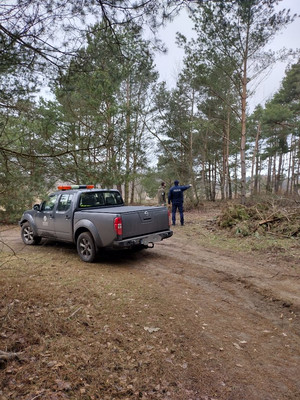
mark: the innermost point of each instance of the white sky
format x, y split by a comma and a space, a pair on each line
170, 65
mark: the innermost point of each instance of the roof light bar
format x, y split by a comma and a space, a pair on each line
69, 187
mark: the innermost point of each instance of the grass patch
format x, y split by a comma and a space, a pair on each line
204, 228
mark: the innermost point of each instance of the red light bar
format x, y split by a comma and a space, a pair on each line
69, 187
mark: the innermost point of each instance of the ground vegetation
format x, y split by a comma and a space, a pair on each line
205, 315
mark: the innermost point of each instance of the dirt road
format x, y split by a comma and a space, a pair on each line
180, 321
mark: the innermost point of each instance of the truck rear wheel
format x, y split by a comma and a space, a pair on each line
86, 247
28, 234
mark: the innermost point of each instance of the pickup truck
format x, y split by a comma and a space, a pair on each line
94, 219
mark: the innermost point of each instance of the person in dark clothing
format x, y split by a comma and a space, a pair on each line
175, 197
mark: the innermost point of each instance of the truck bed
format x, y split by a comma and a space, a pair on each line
137, 220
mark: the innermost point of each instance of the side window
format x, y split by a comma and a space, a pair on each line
64, 202
49, 204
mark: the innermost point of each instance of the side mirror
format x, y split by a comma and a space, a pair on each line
37, 207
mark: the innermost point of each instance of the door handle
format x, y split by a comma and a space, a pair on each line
67, 217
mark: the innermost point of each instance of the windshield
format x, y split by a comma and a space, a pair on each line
100, 199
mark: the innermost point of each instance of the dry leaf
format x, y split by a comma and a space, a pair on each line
237, 346
151, 329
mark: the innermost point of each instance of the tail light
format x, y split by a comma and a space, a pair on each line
118, 225
169, 215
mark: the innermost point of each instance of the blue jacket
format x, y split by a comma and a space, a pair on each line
176, 194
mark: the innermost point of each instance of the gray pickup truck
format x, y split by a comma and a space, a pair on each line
94, 219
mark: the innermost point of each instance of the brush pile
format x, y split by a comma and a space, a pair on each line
279, 217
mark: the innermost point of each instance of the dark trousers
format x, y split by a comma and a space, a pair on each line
180, 209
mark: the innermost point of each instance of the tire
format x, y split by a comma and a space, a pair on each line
86, 247
27, 235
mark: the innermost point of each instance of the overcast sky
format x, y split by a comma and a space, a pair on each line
170, 65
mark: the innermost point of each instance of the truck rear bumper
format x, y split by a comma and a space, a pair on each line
144, 240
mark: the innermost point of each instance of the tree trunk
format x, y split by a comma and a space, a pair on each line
229, 186
298, 169
274, 174
191, 141
257, 174
269, 179
228, 189
243, 121
128, 134
214, 182
110, 166
293, 177
235, 177
288, 183
210, 182
279, 174
224, 166
254, 161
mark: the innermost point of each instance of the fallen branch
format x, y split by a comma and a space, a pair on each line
10, 248
7, 356
279, 235
75, 312
266, 221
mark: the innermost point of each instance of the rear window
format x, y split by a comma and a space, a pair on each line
100, 199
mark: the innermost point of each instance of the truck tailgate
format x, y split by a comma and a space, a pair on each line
143, 220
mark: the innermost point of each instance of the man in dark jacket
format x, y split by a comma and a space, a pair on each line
175, 197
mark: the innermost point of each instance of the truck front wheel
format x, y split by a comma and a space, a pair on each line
28, 234
86, 247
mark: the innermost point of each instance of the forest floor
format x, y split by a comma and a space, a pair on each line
203, 315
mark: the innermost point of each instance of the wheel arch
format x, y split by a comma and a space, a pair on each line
28, 218
87, 226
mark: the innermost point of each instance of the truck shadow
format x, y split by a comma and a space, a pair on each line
112, 257
125, 258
